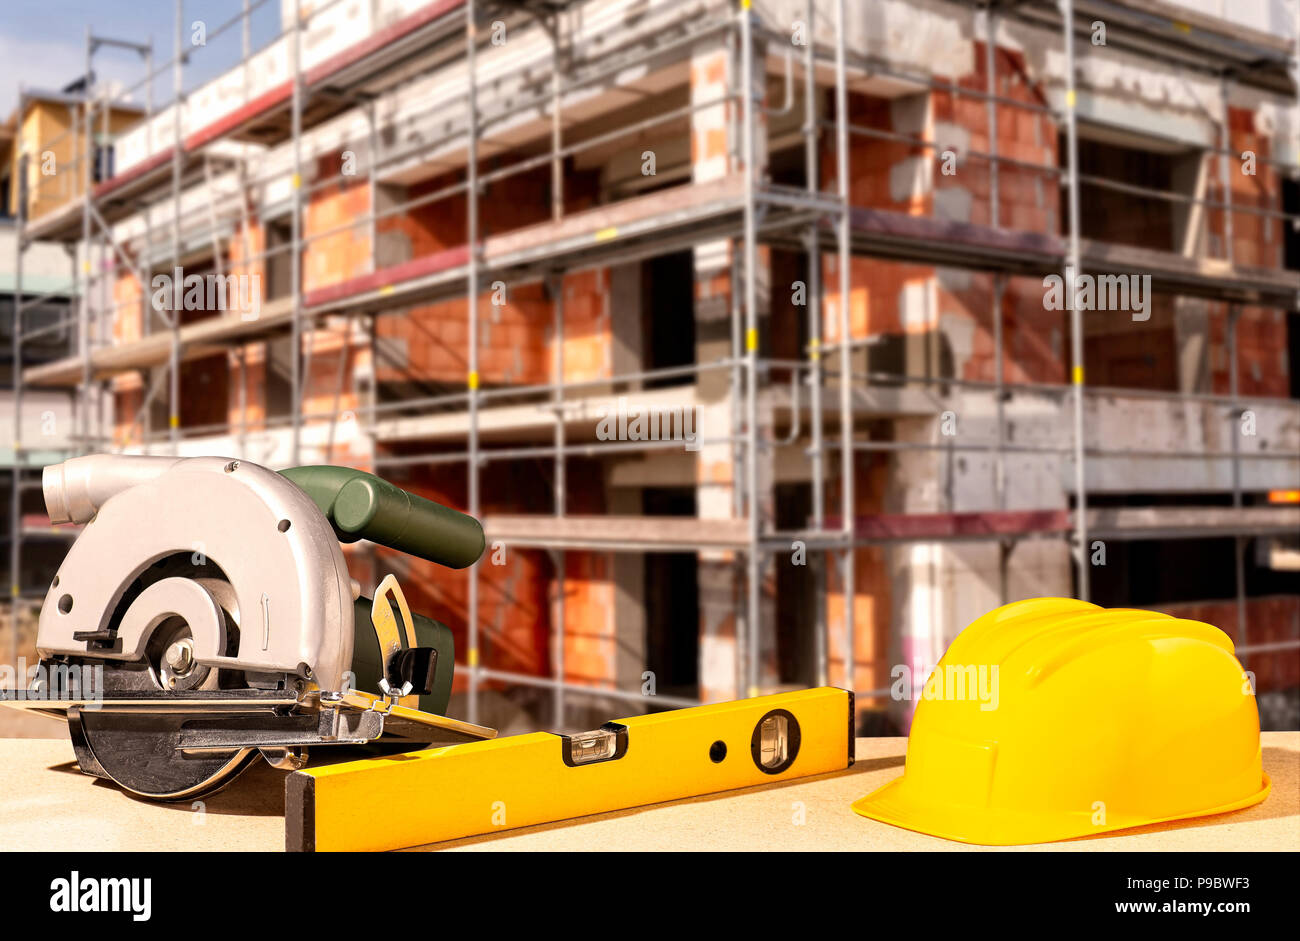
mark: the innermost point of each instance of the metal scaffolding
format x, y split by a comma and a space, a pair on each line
747, 210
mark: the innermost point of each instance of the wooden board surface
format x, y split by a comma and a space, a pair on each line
47, 804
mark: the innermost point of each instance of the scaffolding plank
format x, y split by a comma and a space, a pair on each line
197, 339
1258, 44
609, 227
235, 123
115, 199
1174, 32
611, 532
883, 233
694, 208
534, 419
141, 173
1172, 522
60, 224
939, 526
1214, 278
389, 281
886, 233
1151, 522
667, 533
607, 223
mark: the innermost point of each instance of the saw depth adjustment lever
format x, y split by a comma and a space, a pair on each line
409, 669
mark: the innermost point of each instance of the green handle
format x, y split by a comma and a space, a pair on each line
363, 506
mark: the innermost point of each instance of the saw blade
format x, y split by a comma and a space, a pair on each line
139, 753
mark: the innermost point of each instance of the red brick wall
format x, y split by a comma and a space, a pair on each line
128, 326
1256, 240
514, 336
128, 322
1035, 347
345, 253
516, 347
1027, 200
871, 586
327, 260
877, 286
513, 612
1023, 135
245, 245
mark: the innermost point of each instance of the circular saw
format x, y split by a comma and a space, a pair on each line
205, 616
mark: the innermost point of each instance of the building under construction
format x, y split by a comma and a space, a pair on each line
933, 305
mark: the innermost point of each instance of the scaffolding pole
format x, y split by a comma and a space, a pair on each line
296, 369
847, 502
19, 459
472, 379
555, 282
816, 451
178, 97
751, 654
82, 151
559, 557
1234, 388
1005, 546
1072, 267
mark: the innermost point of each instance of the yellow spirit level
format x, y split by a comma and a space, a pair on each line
523, 780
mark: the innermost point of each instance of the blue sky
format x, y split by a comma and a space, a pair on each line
42, 42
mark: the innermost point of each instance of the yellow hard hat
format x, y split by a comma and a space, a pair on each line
1053, 718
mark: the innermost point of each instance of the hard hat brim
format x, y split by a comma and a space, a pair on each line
998, 827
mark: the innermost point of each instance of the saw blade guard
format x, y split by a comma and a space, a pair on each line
283, 579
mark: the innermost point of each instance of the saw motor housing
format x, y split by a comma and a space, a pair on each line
263, 585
